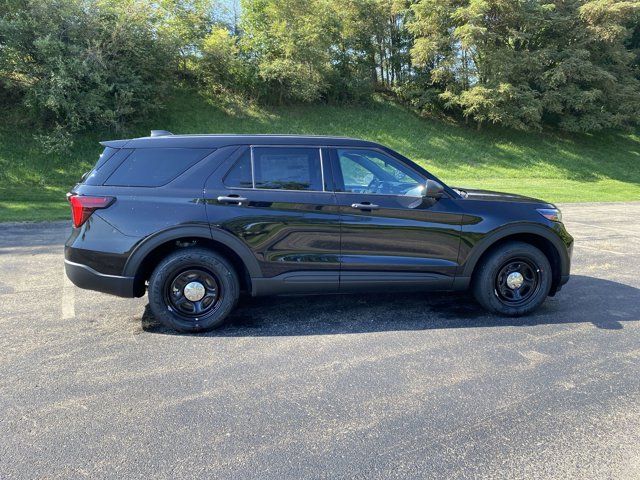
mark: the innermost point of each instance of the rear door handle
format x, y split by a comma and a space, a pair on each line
365, 206
232, 199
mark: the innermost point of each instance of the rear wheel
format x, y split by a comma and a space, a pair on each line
513, 280
193, 290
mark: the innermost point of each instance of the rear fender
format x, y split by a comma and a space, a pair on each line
150, 243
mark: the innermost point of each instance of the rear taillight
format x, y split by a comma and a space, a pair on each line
83, 206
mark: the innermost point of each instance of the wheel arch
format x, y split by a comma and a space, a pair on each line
150, 251
538, 236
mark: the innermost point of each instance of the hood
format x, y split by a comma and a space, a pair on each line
488, 195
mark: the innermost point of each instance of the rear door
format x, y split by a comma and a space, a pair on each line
390, 234
277, 200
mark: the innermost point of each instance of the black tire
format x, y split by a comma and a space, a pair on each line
496, 292
190, 266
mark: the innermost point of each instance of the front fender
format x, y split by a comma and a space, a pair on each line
557, 236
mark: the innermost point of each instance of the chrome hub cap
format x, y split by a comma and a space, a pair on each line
515, 280
194, 291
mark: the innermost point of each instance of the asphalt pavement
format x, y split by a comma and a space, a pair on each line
367, 386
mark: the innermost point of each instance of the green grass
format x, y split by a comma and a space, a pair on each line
556, 167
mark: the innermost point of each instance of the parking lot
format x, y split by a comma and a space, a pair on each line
368, 386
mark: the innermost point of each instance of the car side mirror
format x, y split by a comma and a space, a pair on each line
433, 189
418, 196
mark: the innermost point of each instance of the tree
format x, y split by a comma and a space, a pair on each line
221, 67
289, 42
527, 63
524, 64
185, 23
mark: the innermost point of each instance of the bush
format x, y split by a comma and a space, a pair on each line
77, 64
419, 94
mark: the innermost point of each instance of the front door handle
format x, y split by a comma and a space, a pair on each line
232, 199
365, 206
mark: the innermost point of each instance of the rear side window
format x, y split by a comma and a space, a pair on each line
277, 168
287, 168
154, 167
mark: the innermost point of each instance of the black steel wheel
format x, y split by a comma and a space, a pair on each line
513, 280
193, 290
193, 293
517, 282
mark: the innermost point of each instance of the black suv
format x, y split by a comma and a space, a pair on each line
196, 219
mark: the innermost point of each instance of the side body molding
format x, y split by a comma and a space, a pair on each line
153, 241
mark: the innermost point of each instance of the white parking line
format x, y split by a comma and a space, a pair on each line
68, 297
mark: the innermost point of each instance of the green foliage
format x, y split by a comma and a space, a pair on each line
420, 94
220, 68
506, 104
184, 24
317, 50
527, 63
289, 42
76, 64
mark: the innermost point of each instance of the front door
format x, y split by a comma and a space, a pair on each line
390, 235
276, 200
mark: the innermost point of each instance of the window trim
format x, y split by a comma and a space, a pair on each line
253, 168
253, 176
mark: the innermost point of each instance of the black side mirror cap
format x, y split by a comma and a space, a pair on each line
433, 189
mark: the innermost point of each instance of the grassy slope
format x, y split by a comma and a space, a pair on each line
560, 168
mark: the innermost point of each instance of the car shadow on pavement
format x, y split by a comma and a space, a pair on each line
603, 303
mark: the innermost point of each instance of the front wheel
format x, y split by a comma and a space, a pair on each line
193, 290
514, 280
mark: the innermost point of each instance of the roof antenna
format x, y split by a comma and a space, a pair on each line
160, 133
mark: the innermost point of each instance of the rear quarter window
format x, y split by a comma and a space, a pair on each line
154, 167
104, 156
110, 158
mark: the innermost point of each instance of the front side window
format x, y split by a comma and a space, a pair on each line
369, 171
277, 168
